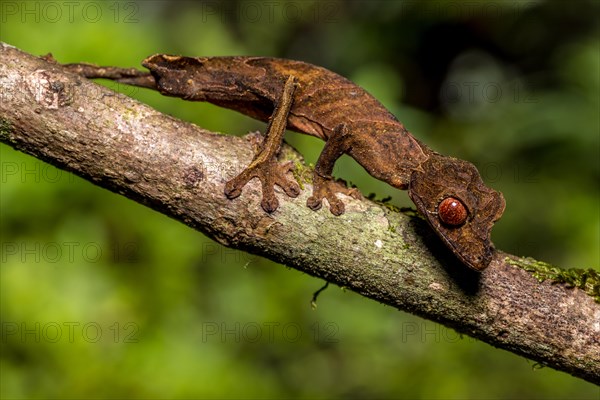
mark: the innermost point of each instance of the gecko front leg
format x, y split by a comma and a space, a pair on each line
265, 166
324, 186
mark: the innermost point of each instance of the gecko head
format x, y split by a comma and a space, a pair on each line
175, 75
165, 62
452, 197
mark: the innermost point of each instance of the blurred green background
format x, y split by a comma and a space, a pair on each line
104, 298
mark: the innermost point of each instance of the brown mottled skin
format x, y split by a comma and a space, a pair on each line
315, 101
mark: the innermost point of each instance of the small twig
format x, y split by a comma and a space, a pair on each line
313, 302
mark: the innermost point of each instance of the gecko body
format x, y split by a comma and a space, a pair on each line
448, 192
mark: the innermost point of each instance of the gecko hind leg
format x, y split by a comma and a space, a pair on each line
324, 186
265, 166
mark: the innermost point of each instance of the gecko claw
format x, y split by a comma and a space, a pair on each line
314, 203
326, 188
336, 206
269, 173
289, 186
233, 188
231, 192
269, 203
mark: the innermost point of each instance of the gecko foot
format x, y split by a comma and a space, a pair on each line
270, 173
326, 188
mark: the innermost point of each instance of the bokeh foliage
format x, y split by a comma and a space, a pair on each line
103, 298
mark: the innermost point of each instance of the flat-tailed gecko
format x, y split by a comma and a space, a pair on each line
448, 192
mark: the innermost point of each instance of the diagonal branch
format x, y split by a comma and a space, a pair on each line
180, 170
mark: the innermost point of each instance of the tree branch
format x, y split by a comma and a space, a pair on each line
180, 169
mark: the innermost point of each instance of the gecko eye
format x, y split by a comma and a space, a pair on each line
452, 211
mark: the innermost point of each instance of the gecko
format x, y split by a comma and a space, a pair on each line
448, 192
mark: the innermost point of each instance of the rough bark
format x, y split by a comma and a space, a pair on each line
180, 170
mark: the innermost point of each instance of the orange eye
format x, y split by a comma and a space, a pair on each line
452, 211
